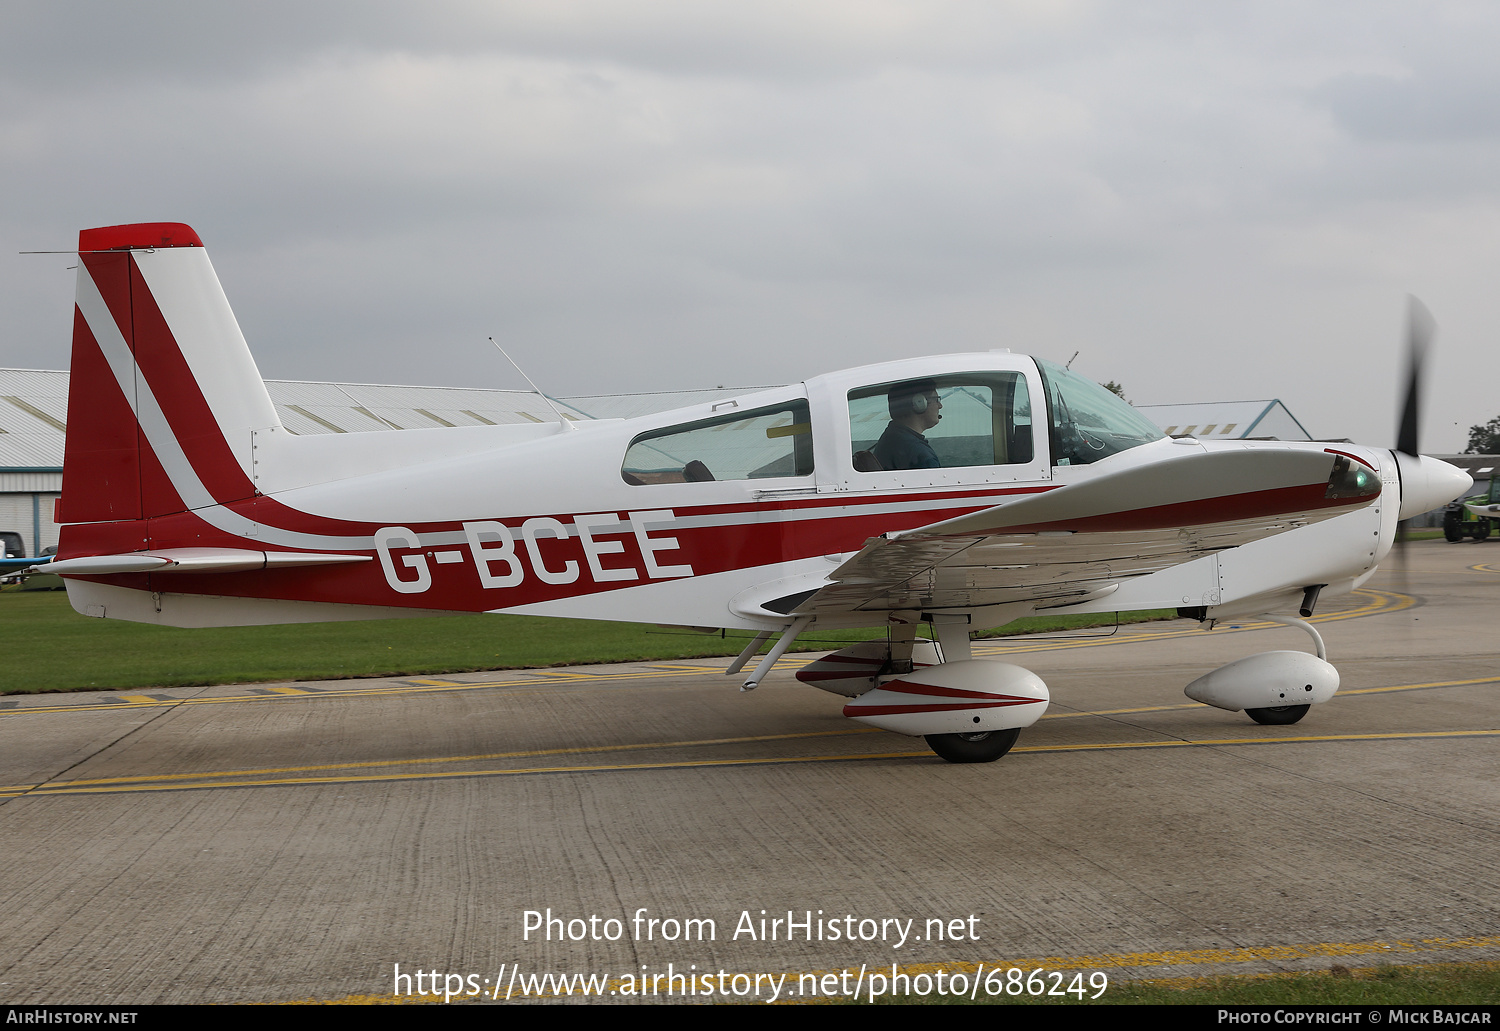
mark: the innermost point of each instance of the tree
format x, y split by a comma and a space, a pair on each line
1117, 390
1484, 440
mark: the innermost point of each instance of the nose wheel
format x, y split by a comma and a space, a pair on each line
984, 747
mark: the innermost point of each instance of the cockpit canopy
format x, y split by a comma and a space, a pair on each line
943, 421
1088, 422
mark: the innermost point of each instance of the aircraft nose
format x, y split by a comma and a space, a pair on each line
1427, 483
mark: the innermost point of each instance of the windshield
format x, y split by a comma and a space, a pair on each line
1089, 422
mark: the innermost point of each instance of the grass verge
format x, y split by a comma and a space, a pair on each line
68, 652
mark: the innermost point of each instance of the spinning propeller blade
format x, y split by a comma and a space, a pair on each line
1419, 332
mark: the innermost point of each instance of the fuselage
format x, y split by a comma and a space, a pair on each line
185, 501
958, 490
697, 516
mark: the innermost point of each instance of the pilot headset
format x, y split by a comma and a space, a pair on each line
914, 402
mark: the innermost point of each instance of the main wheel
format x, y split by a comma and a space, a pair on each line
983, 747
1481, 529
1452, 532
1278, 715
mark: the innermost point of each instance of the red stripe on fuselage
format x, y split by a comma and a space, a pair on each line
456, 586
269, 510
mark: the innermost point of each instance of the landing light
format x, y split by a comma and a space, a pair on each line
1351, 480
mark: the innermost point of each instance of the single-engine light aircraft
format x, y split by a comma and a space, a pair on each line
961, 491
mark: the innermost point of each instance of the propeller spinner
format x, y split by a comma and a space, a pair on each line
1426, 483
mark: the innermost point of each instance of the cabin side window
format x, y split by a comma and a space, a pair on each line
761, 444
941, 422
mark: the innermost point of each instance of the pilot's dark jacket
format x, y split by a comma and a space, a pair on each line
901, 447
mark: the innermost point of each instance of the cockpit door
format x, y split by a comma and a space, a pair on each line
950, 429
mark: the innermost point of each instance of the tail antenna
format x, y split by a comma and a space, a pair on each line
561, 419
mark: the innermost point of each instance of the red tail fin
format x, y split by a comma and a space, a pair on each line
163, 394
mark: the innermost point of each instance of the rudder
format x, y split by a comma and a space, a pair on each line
164, 395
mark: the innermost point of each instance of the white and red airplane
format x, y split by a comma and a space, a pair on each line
962, 491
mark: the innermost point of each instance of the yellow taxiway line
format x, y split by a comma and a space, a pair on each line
12, 790
1376, 602
276, 777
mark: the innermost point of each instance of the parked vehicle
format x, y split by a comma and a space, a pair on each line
1476, 516
11, 546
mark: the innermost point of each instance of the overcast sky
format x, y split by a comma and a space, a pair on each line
1207, 201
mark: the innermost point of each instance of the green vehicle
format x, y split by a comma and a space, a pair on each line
1475, 516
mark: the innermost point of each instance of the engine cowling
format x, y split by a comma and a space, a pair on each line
1267, 680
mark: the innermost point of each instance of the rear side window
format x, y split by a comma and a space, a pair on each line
761, 444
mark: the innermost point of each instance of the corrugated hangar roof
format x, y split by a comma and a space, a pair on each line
34, 409
1481, 467
629, 406
33, 415
310, 407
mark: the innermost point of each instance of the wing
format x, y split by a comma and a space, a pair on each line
1076, 541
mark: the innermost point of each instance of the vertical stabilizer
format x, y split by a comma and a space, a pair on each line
164, 395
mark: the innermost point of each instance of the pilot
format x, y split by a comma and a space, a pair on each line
915, 408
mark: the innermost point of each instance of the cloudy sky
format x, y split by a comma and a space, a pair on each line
1206, 201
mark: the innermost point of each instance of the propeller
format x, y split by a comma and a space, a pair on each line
1426, 483
1419, 331
1420, 328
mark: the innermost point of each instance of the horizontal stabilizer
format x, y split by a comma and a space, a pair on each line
194, 560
